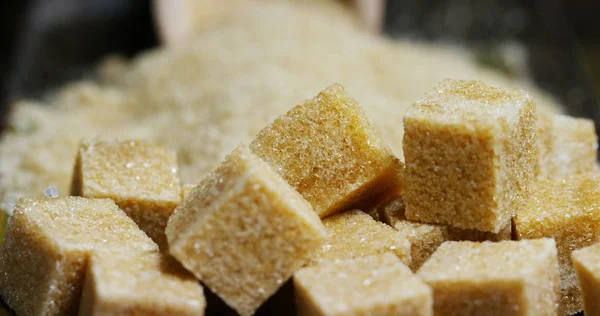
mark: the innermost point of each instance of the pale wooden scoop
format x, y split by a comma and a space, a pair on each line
178, 20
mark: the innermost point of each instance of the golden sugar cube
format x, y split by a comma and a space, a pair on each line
567, 146
46, 249
243, 231
355, 234
139, 176
139, 283
470, 153
374, 285
426, 238
587, 264
329, 151
568, 211
494, 278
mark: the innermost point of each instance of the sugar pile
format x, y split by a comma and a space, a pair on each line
205, 97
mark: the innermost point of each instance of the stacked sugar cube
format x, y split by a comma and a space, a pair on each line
51, 244
321, 158
477, 158
318, 201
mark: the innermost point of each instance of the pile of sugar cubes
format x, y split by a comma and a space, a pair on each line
495, 211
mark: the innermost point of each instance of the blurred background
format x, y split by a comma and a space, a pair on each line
46, 43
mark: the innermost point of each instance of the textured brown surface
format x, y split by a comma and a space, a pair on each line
587, 265
545, 145
373, 285
186, 189
243, 231
355, 234
567, 146
568, 211
329, 151
470, 154
224, 86
425, 238
48, 241
494, 278
139, 176
139, 283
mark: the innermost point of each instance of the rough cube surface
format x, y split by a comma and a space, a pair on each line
426, 238
139, 283
186, 189
46, 247
587, 264
470, 153
567, 146
140, 177
545, 144
356, 234
568, 211
494, 278
373, 285
329, 151
244, 231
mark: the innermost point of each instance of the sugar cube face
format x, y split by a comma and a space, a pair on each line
329, 151
567, 146
545, 145
426, 238
587, 264
470, 152
244, 231
356, 234
46, 246
139, 283
140, 177
373, 285
494, 278
568, 211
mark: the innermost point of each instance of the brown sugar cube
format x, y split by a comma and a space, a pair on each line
426, 238
587, 264
186, 189
139, 283
140, 177
566, 210
329, 151
243, 231
494, 278
373, 285
470, 152
572, 147
575, 145
355, 234
46, 248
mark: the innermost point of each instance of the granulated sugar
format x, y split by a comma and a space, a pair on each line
205, 97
